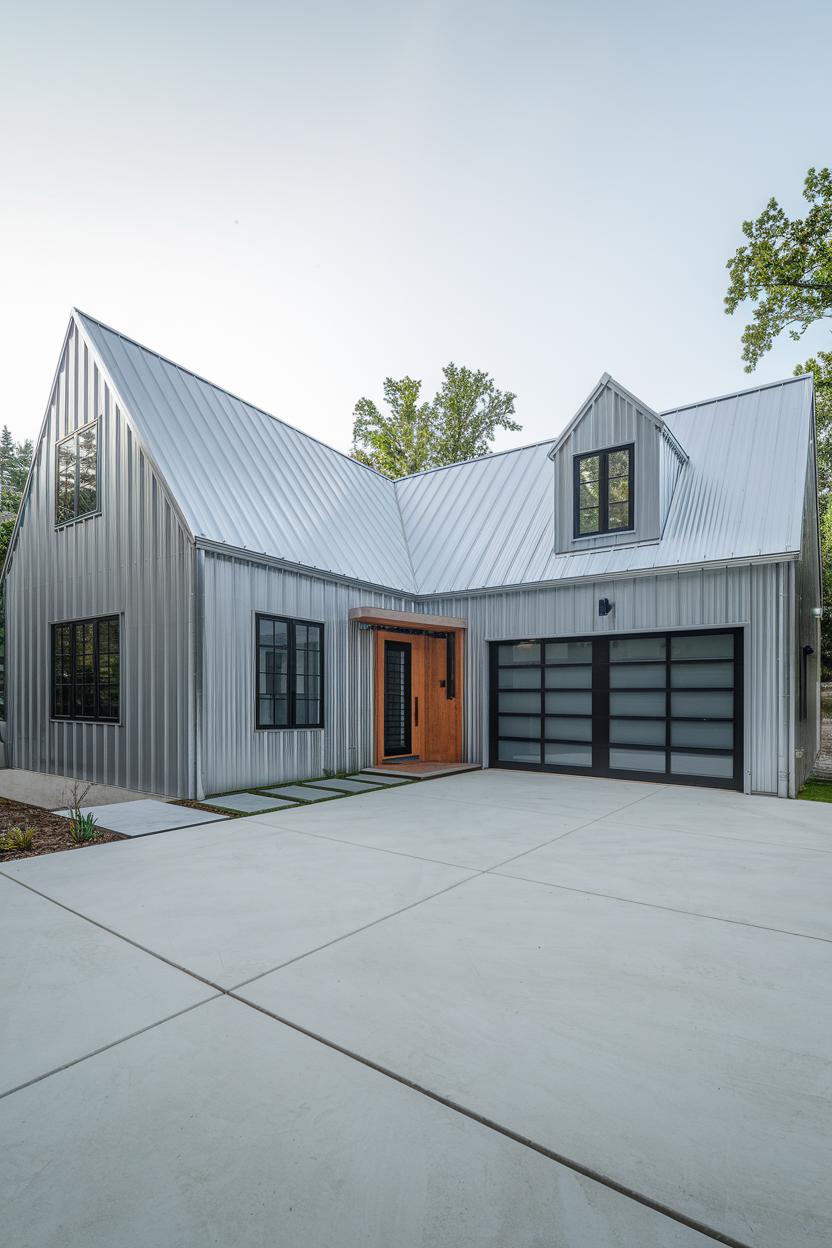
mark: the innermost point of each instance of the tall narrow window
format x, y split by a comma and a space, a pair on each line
290, 673
86, 669
76, 475
603, 491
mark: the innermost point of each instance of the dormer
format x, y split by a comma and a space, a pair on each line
616, 467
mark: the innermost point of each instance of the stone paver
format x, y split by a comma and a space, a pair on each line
225, 1128
344, 786
247, 803
146, 816
300, 793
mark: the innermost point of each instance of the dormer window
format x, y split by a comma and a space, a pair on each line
603, 491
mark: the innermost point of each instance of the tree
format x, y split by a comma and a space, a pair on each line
820, 366
15, 458
397, 444
785, 268
458, 424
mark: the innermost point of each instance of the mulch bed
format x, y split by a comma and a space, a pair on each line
51, 831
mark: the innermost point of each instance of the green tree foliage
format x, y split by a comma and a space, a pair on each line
820, 366
459, 423
785, 268
15, 458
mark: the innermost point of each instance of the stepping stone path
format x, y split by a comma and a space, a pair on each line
350, 785
300, 793
247, 803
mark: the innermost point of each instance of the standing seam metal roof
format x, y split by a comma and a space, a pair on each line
249, 481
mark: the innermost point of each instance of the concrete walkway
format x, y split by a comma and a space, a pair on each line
41, 789
498, 1008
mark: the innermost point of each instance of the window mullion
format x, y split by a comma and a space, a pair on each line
290, 673
604, 489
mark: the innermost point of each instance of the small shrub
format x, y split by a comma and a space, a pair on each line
17, 840
82, 829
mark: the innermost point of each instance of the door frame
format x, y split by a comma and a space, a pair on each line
420, 747
600, 716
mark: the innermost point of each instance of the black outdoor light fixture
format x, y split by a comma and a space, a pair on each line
605, 606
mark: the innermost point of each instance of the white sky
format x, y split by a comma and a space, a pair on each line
296, 200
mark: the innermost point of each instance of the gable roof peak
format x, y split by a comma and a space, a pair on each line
605, 382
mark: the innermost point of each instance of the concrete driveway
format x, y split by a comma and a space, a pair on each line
494, 1009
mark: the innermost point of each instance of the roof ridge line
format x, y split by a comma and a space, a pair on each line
737, 394
224, 390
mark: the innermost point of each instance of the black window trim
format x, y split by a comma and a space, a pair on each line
107, 721
87, 515
603, 454
290, 621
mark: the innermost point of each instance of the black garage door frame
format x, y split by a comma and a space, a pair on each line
600, 715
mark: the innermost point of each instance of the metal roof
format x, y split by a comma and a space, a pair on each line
251, 482
248, 481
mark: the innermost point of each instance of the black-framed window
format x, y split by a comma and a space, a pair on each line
290, 673
603, 491
76, 474
86, 669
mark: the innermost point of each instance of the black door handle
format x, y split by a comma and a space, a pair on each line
416, 712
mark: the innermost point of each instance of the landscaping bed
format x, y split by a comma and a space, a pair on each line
50, 832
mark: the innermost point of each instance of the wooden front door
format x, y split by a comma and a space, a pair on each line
418, 697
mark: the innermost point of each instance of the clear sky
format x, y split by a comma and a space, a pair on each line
296, 200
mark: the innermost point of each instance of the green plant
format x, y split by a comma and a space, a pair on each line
17, 840
82, 828
816, 791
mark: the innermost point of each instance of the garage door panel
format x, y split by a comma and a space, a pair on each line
652, 705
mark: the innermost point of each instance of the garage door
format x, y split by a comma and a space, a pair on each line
660, 706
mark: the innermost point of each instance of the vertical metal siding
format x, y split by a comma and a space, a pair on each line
134, 559
236, 754
611, 420
747, 595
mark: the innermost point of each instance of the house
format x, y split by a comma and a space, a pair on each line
200, 597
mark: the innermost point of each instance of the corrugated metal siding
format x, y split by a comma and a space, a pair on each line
234, 752
670, 465
134, 559
245, 479
611, 419
807, 632
748, 596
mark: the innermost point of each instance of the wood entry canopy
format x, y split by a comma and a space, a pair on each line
418, 684
380, 618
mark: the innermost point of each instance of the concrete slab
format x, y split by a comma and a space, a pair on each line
748, 882
426, 825
39, 788
223, 1127
68, 988
145, 816
592, 797
715, 812
234, 905
372, 777
344, 786
685, 1057
299, 793
247, 803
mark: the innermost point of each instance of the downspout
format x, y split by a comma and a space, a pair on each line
785, 718
198, 791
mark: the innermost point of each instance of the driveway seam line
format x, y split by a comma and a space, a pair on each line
737, 840
76, 1061
559, 1158
357, 931
118, 935
654, 905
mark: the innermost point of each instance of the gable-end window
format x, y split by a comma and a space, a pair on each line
85, 669
76, 475
603, 491
290, 673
